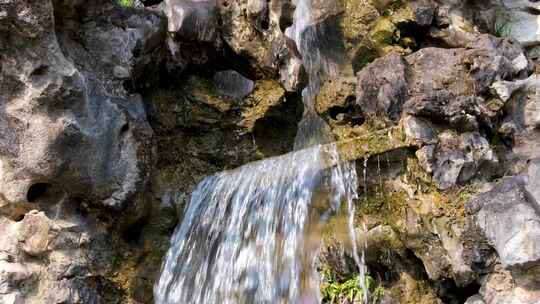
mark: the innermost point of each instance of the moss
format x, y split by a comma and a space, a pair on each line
137, 261
383, 33
386, 208
267, 93
358, 15
363, 55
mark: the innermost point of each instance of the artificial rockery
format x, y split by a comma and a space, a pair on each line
111, 112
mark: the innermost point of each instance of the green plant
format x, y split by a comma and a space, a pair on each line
334, 292
126, 3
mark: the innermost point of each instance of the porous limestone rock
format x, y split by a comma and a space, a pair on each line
64, 134
509, 219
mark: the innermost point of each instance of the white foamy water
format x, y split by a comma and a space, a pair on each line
244, 237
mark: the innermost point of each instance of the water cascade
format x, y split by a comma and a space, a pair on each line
252, 235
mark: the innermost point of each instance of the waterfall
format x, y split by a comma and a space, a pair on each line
245, 236
252, 235
322, 55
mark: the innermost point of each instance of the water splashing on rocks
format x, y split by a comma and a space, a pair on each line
247, 236
252, 235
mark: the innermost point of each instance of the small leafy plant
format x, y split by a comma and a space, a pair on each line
126, 3
348, 291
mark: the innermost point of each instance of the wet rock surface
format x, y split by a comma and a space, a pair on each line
111, 114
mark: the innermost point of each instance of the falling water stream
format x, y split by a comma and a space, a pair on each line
252, 235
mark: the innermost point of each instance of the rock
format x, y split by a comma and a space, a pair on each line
11, 275
505, 89
459, 158
521, 21
233, 84
453, 25
121, 72
192, 19
254, 30
34, 233
418, 131
115, 46
426, 157
31, 270
193, 32
500, 287
533, 177
445, 85
523, 115
292, 75
382, 86
60, 134
476, 299
510, 221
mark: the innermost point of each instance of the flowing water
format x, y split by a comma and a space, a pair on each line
252, 235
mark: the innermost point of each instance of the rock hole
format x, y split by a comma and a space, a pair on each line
124, 129
18, 217
347, 114
533, 10
455, 294
37, 191
286, 17
40, 71
151, 2
265, 24
133, 232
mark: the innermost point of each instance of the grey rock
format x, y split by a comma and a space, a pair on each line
192, 19
424, 12
27, 272
502, 287
522, 21
505, 89
459, 158
70, 136
292, 74
476, 299
67, 135
533, 180
449, 165
443, 85
382, 86
426, 157
121, 72
418, 131
523, 115
233, 84
510, 220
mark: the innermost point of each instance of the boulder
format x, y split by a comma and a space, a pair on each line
502, 287
382, 86
521, 21
509, 219
444, 85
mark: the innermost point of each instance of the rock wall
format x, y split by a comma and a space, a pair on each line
110, 114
